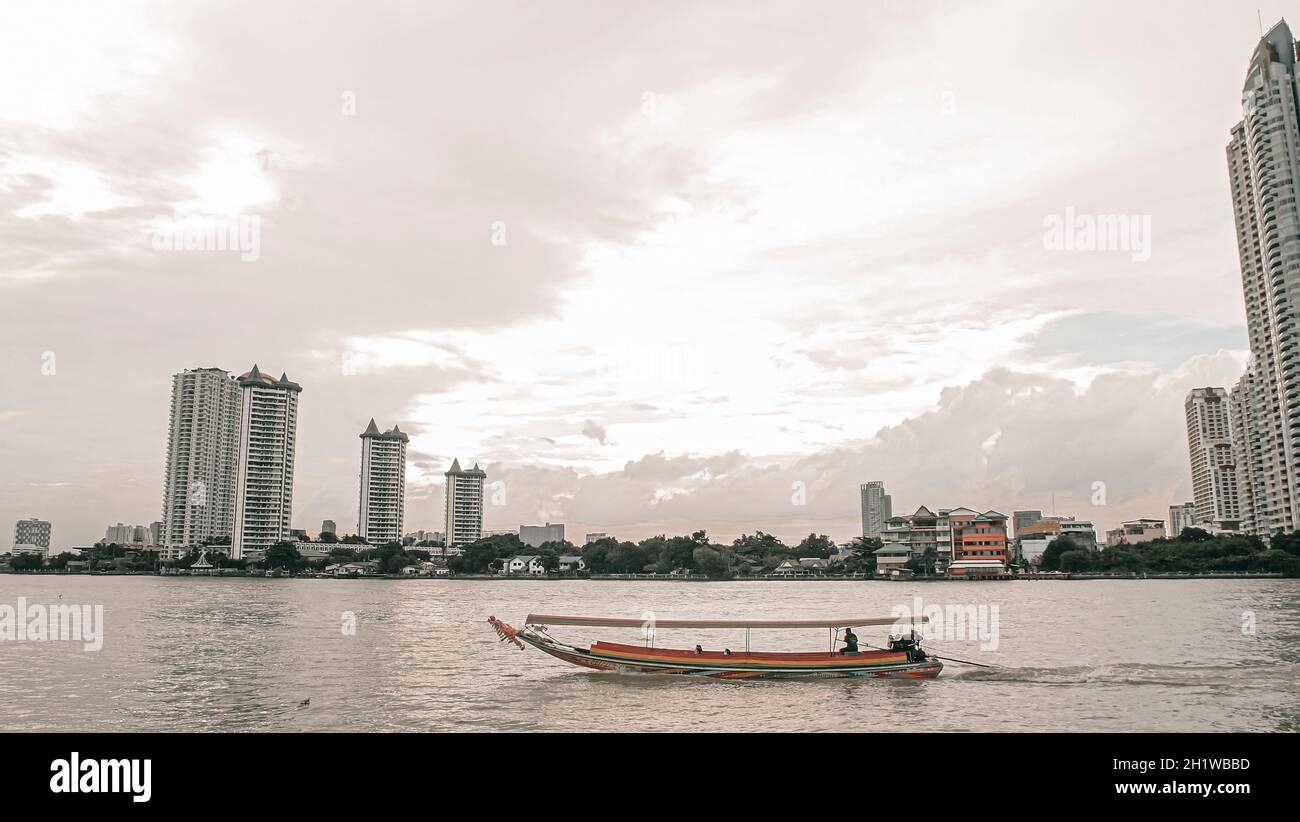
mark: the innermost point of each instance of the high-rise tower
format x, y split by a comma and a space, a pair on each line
268, 424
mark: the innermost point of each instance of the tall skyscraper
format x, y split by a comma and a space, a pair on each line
1214, 470
877, 506
1263, 166
33, 532
268, 425
464, 506
202, 441
383, 484
1180, 517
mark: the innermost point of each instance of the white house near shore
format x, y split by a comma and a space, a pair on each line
525, 565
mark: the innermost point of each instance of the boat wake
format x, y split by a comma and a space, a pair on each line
1196, 676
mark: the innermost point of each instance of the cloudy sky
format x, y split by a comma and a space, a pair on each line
656, 267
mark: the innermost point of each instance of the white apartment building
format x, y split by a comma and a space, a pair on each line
383, 484
268, 425
1180, 517
1263, 156
463, 506
202, 446
128, 535
1214, 469
535, 536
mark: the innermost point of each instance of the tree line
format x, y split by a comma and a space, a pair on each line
1194, 551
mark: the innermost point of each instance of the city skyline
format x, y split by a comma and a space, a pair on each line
635, 317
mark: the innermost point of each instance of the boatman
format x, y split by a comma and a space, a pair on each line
850, 642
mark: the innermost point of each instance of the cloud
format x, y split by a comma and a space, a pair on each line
593, 430
1006, 440
737, 259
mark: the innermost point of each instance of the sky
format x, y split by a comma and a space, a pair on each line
655, 267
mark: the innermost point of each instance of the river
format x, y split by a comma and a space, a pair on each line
236, 654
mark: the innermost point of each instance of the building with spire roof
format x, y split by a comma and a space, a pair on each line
464, 506
268, 425
383, 484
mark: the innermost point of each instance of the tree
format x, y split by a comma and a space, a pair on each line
477, 557
549, 562
61, 561
1192, 534
710, 562
329, 537
1290, 543
929, 558
26, 562
1074, 560
816, 545
283, 555
1051, 560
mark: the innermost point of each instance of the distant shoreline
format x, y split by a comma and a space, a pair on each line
661, 578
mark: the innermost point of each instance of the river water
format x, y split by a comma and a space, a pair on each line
259, 654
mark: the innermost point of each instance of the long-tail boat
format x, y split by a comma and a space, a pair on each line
903, 658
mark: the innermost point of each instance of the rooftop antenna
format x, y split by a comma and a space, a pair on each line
1261, 23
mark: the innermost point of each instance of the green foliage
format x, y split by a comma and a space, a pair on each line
861, 557
765, 549
283, 555
477, 557
816, 545
1060, 546
27, 562
1077, 559
1225, 553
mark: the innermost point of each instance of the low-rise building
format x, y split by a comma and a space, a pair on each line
802, 567
1034, 537
891, 557
569, 564
1135, 531
530, 564
315, 550
344, 569
977, 568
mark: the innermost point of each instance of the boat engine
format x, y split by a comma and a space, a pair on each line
909, 643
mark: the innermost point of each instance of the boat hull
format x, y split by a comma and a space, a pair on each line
633, 659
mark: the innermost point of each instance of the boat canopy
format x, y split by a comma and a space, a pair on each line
616, 622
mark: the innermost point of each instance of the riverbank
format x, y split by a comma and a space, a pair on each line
1076, 577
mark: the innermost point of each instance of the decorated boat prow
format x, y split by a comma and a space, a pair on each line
903, 658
